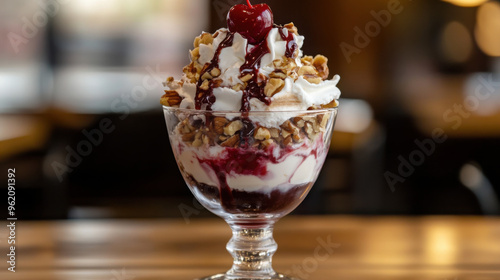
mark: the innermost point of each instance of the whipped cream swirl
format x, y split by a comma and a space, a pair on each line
296, 94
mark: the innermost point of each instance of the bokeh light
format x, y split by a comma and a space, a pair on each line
456, 42
488, 25
466, 3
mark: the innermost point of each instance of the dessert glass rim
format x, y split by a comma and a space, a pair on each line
194, 111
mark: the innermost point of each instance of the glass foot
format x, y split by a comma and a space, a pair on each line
223, 277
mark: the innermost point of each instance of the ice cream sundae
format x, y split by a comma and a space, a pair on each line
250, 124
255, 137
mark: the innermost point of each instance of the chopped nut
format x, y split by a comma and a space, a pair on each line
195, 54
307, 70
292, 28
197, 41
321, 64
198, 67
171, 98
296, 138
219, 124
316, 126
206, 76
216, 83
185, 127
275, 133
238, 87
322, 120
215, 72
205, 85
274, 86
189, 70
246, 78
277, 63
286, 65
197, 143
171, 93
261, 78
294, 76
205, 139
309, 119
290, 65
233, 127
262, 133
288, 141
307, 60
206, 39
223, 138
332, 104
290, 127
198, 135
299, 122
189, 137
267, 143
285, 133
313, 79
308, 128
169, 81
277, 74
204, 68
319, 60
232, 141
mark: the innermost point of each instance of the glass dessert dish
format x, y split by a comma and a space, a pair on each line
250, 123
248, 174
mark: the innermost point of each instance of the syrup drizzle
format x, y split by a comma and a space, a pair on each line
254, 89
207, 96
255, 162
251, 66
291, 45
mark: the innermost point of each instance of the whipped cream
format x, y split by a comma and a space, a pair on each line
297, 94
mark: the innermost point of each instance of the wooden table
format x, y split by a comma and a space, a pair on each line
428, 248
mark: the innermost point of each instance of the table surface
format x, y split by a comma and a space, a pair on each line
329, 247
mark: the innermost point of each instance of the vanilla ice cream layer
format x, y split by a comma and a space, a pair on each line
297, 167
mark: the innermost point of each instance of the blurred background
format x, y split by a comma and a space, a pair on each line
80, 121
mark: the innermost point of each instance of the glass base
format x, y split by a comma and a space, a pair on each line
224, 277
252, 248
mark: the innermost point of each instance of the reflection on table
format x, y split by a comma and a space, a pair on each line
329, 247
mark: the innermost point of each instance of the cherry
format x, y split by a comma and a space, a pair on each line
253, 22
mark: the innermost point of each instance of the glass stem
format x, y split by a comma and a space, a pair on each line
252, 248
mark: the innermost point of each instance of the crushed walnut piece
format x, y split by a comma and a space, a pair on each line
219, 123
171, 98
231, 128
227, 133
292, 28
262, 133
320, 62
232, 141
273, 86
